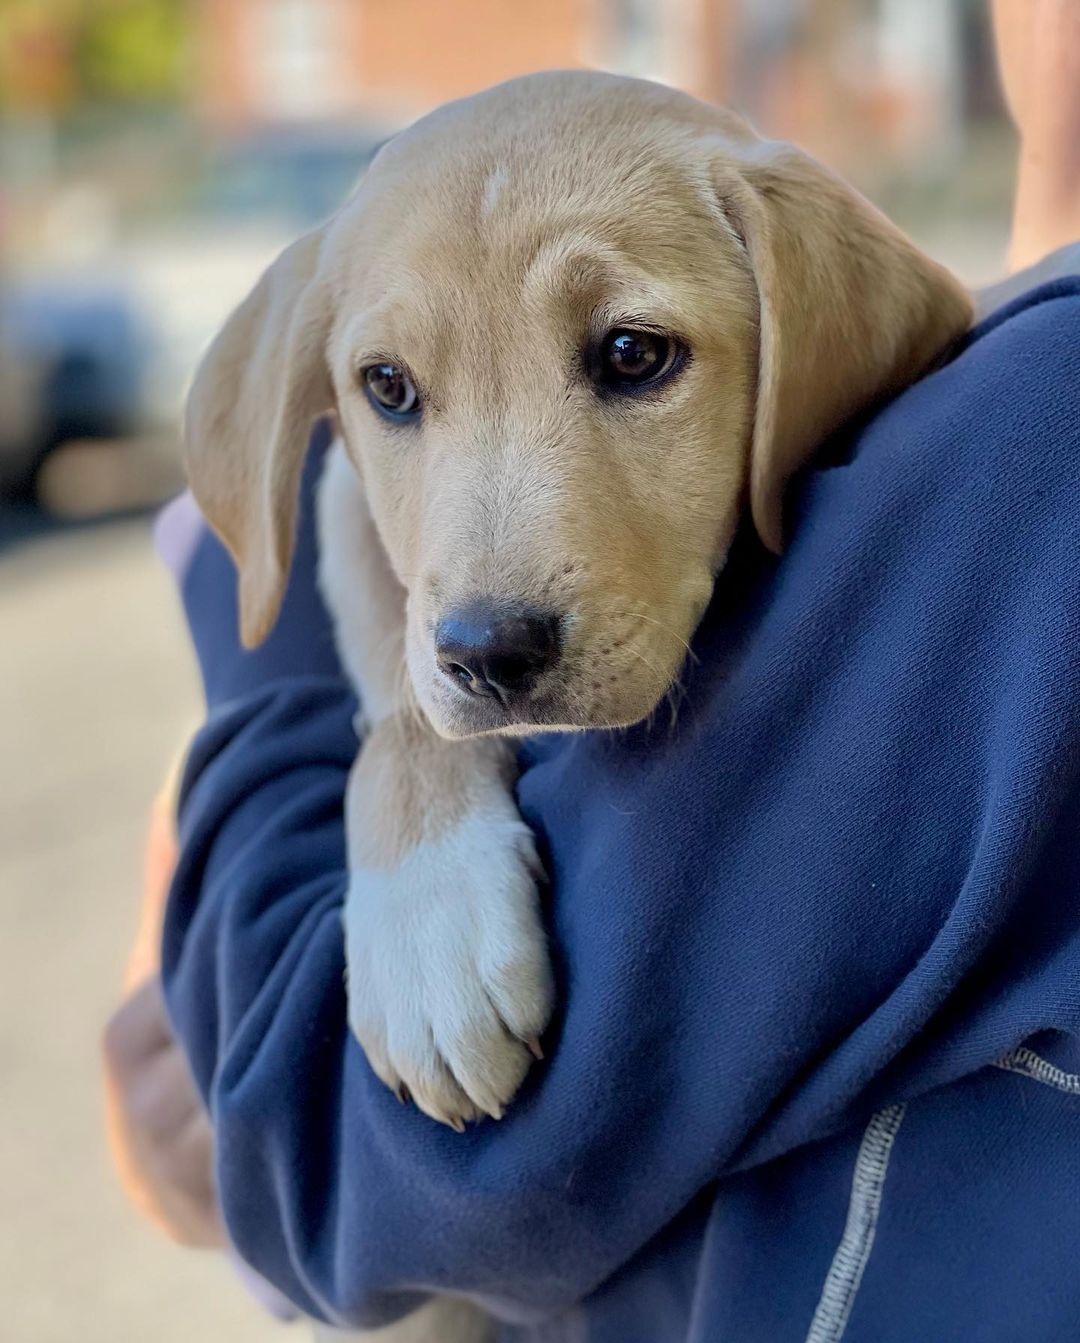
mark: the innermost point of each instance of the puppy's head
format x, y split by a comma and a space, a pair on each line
567, 328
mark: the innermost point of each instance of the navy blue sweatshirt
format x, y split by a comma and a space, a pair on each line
816, 1072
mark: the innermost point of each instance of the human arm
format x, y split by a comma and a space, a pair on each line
158, 1129
1038, 46
762, 918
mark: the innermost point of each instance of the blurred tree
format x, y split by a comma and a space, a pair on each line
133, 49
35, 54
57, 52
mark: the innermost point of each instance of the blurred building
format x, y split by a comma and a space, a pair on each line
894, 76
892, 72
279, 59
863, 83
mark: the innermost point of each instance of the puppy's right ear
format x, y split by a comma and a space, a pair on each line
249, 413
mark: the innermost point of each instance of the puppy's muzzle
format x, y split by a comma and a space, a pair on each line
496, 650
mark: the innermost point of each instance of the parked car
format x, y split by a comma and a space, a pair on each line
105, 352
72, 366
296, 174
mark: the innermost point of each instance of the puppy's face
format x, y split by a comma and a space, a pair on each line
567, 327
547, 386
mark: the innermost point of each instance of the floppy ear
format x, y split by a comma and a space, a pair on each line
850, 310
249, 414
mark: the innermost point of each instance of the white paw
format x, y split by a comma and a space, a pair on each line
449, 983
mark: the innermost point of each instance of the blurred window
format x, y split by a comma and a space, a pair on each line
298, 57
636, 28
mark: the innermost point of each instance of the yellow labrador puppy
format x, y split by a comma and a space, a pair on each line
568, 328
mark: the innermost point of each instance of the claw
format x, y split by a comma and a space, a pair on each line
457, 1124
402, 1092
533, 1043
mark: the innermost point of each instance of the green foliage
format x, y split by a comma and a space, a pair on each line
132, 49
56, 53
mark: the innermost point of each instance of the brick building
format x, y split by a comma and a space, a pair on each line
851, 79
286, 59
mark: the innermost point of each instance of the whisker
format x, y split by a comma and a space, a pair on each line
642, 658
673, 696
637, 615
409, 704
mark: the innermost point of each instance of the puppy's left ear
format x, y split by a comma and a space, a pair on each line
850, 310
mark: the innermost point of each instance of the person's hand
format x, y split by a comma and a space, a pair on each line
158, 1129
159, 1132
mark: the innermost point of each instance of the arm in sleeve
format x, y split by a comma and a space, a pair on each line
347, 1202
846, 874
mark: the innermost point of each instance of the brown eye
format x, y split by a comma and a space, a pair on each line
391, 390
631, 358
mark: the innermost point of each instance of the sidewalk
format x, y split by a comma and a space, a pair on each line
96, 690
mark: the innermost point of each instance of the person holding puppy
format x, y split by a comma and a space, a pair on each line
857, 956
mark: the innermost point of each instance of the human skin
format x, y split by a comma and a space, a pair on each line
159, 1132
1038, 46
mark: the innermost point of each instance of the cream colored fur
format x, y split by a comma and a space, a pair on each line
484, 249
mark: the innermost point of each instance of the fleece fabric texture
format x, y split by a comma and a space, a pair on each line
816, 1069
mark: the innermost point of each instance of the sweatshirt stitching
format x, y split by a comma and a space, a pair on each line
1029, 1064
849, 1262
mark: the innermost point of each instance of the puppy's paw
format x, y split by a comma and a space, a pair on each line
449, 982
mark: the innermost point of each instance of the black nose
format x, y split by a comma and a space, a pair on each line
500, 651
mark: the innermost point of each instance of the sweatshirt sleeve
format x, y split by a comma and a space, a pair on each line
847, 873
352, 1205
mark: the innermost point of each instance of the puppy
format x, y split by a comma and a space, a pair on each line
568, 328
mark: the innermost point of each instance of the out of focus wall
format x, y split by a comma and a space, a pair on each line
275, 59
867, 84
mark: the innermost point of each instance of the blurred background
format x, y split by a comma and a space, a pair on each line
154, 154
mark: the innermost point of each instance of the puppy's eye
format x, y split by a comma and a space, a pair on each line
632, 358
391, 390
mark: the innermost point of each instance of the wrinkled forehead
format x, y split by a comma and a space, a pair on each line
470, 238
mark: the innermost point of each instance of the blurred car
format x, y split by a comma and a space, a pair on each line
295, 174
104, 351
73, 360
253, 193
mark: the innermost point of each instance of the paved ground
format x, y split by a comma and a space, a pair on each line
96, 687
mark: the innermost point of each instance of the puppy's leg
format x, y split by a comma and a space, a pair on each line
449, 980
